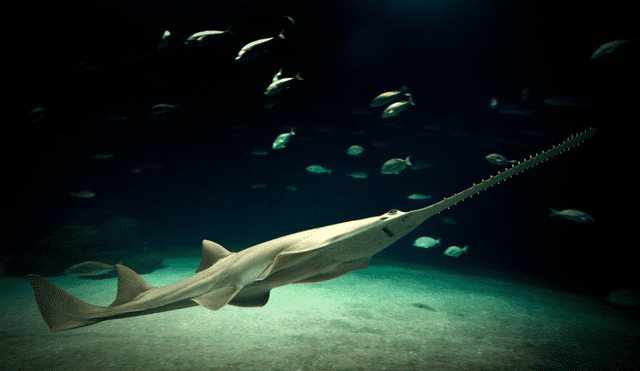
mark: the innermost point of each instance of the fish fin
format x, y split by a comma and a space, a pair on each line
130, 285
281, 35
59, 309
251, 302
211, 254
407, 160
217, 298
338, 270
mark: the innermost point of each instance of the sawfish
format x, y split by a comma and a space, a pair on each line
245, 278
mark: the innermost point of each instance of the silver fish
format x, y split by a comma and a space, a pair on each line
389, 97
82, 194
355, 150
166, 36
610, 48
358, 175
455, 251
395, 108
417, 196
279, 84
498, 159
426, 242
282, 139
395, 165
574, 215
89, 268
208, 37
162, 108
252, 49
318, 169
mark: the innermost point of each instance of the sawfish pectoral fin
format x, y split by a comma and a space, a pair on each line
251, 302
217, 298
337, 271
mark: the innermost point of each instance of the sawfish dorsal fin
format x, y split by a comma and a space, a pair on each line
211, 254
130, 285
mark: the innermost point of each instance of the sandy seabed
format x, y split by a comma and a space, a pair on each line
382, 318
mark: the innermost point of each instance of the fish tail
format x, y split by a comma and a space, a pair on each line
407, 160
59, 309
405, 89
281, 35
229, 30
329, 171
411, 102
553, 212
298, 76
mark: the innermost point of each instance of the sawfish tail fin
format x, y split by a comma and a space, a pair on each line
59, 309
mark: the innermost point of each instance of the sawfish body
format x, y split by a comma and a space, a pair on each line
245, 278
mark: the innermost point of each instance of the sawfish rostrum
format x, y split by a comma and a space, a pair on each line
245, 278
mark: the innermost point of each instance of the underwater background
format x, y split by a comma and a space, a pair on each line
147, 188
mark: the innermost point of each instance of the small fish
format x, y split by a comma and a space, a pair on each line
36, 114
395, 165
149, 166
493, 103
574, 215
448, 220
89, 268
259, 152
318, 169
389, 97
565, 101
358, 175
101, 155
203, 38
252, 49
380, 144
258, 185
525, 94
290, 188
625, 297
608, 49
455, 251
497, 159
355, 150
290, 20
417, 196
281, 84
419, 165
162, 108
395, 108
166, 36
282, 139
82, 194
426, 242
